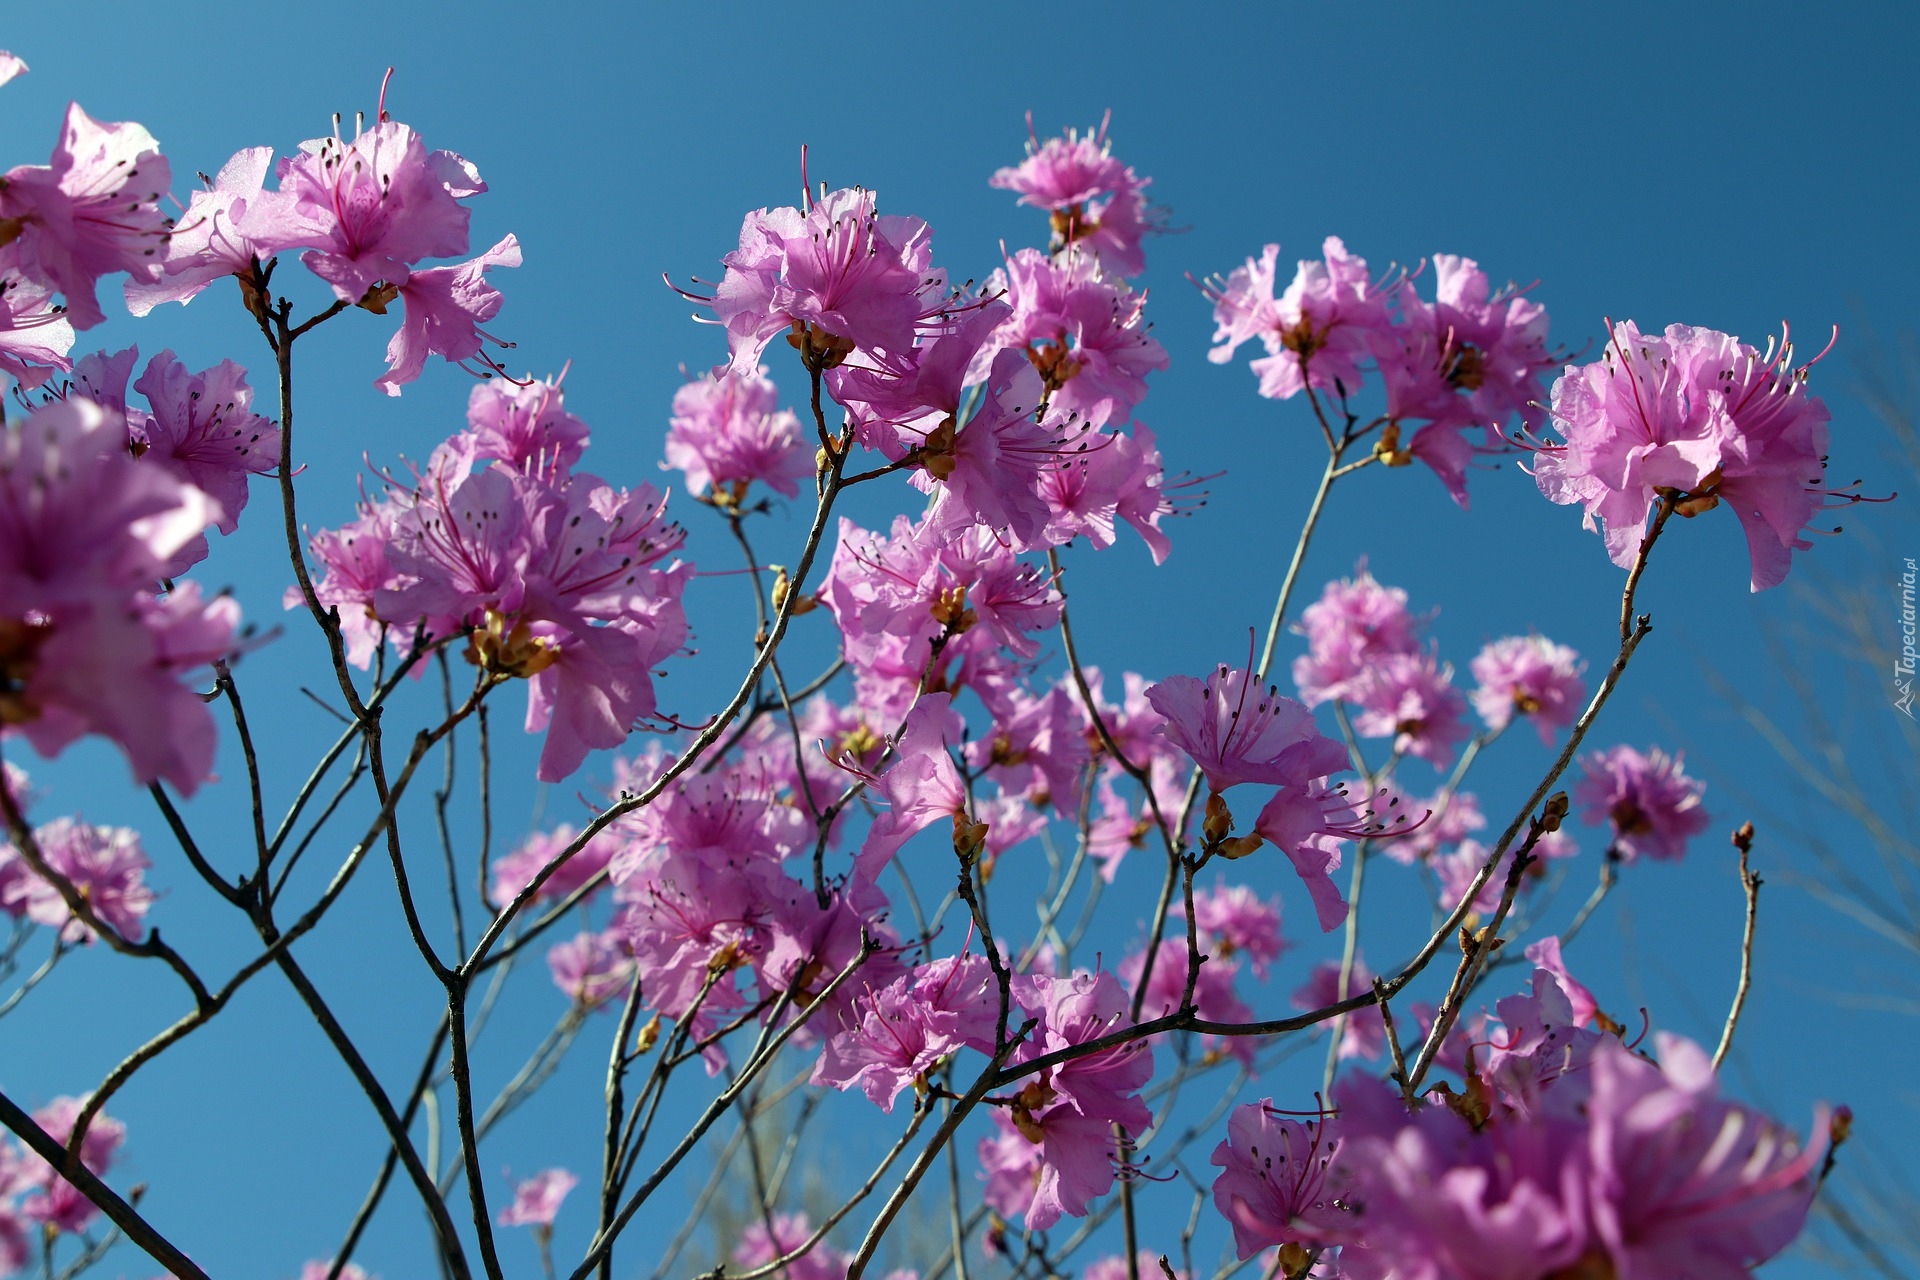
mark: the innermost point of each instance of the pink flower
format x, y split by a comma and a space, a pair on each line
839, 275
1684, 1183
758, 1246
202, 428
94, 211
366, 210
526, 426
1318, 332
1410, 698
1086, 336
898, 1032
207, 243
921, 787
53, 1201
1694, 416
1365, 1035
1237, 732
1214, 996
35, 334
103, 863
1111, 477
537, 1199
1233, 920
1355, 623
11, 65
1280, 1182
728, 431
1652, 803
445, 307
591, 968
321, 1270
84, 644
1532, 676
516, 871
1068, 177
1469, 358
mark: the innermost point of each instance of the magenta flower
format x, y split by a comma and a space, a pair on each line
758, 1246
922, 786
1214, 996
900, 1031
591, 968
1317, 333
1280, 1181
525, 425
1068, 177
104, 863
1652, 803
207, 243
1410, 698
1085, 335
1365, 1034
52, 1201
202, 428
1472, 357
1682, 1182
839, 275
1233, 920
728, 431
516, 870
365, 210
537, 1199
1037, 750
445, 307
1114, 477
1530, 676
86, 533
1237, 732
1696, 417
1354, 624
35, 335
1454, 818
93, 211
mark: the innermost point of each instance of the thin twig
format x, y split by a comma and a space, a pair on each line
1750, 882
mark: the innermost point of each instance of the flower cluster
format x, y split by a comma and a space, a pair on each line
1565, 1154
549, 573
34, 1198
1472, 357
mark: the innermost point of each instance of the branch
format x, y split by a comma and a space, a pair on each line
1749, 881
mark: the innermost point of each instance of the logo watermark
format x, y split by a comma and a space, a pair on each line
1903, 662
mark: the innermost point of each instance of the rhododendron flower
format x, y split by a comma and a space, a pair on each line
366, 210
899, 1032
1353, 625
1068, 177
1531, 676
1279, 1180
445, 307
1410, 698
1365, 1032
52, 1201
1110, 477
1694, 417
1238, 732
1455, 816
1085, 336
839, 275
35, 335
516, 870
591, 968
93, 211
1317, 333
1652, 803
11, 65
207, 243
728, 431
921, 786
790, 1232
525, 425
1068, 1112
84, 645
104, 863
1233, 920
1471, 357
1214, 996
537, 1199
323, 1270
1037, 750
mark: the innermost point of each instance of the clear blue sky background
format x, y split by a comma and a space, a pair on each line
1722, 165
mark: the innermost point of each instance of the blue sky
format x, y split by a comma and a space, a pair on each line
1717, 164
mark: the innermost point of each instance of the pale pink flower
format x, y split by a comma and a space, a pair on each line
516, 870
1531, 676
758, 1246
728, 430
366, 210
898, 1032
1238, 732
1652, 803
94, 211
1410, 698
591, 968
1233, 920
1098, 205
207, 243
104, 863
1365, 1034
537, 1199
11, 65
1354, 624
1318, 332
52, 1200
525, 425
1087, 336
321, 1270
36, 338
445, 307
1280, 1180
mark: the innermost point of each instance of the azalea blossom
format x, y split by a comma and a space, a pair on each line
1653, 806
1529, 676
537, 1200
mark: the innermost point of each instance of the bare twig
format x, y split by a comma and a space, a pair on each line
1750, 882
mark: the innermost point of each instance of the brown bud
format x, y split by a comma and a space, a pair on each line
1555, 811
783, 587
1218, 824
1239, 846
1743, 838
648, 1035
